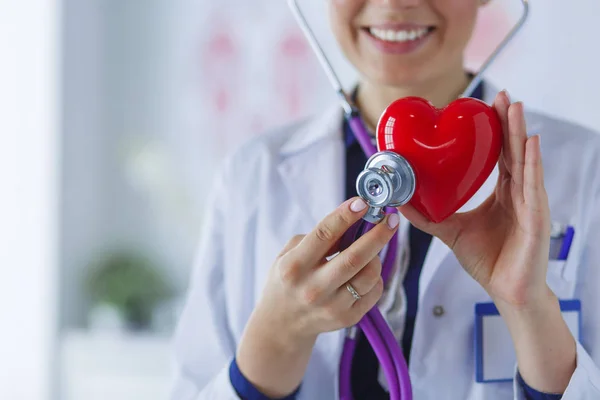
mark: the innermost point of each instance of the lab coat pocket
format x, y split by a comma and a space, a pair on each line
563, 260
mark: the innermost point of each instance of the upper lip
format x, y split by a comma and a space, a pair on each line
396, 26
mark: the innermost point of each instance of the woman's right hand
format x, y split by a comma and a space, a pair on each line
305, 295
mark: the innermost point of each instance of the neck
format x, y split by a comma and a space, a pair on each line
373, 99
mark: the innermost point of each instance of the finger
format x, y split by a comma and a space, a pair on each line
317, 244
368, 301
417, 219
503, 171
349, 311
501, 105
352, 260
293, 242
362, 283
446, 231
366, 278
533, 187
517, 139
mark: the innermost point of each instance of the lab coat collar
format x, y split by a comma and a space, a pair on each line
312, 165
322, 127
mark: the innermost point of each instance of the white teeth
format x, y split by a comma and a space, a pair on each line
401, 36
398, 36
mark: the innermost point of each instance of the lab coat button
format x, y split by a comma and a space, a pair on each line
438, 311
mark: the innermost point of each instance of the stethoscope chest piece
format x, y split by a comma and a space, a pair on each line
388, 180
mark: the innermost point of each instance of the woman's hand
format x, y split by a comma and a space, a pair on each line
504, 245
306, 295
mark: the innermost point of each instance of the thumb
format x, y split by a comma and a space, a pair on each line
447, 231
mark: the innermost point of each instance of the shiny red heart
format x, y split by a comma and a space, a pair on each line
452, 150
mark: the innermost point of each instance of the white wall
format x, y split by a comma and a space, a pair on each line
84, 174
114, 109
553, 65
28, 196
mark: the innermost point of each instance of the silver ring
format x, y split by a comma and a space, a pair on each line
353, 292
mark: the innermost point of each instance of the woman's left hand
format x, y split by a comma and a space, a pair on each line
504, 243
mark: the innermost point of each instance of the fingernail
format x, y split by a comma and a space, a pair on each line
358, 205
393, 221
507, 95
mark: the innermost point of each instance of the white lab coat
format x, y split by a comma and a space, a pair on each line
283, 183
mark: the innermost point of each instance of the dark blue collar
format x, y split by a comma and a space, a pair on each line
349, 138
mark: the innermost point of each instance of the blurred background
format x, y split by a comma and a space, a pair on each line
114, 116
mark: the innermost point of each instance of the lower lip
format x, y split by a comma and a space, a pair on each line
406, 47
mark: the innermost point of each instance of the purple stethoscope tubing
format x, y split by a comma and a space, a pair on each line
373, 324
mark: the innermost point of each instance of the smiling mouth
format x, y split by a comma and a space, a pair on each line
399, 35
399, 38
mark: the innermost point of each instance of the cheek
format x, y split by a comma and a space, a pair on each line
348, 9
342, 14
459, 18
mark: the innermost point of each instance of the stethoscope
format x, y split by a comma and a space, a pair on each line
388, 181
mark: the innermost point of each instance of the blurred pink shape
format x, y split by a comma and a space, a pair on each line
221, 63
493, 24
293, 66
220, 66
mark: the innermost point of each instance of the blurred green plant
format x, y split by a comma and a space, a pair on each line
131, 283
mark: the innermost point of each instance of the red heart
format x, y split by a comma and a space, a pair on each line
452, 150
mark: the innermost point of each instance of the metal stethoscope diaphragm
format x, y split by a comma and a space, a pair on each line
388, 180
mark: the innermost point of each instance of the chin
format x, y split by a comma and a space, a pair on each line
396, 76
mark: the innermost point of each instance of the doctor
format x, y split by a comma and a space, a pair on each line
266, 307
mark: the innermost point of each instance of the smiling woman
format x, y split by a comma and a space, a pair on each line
277, 311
